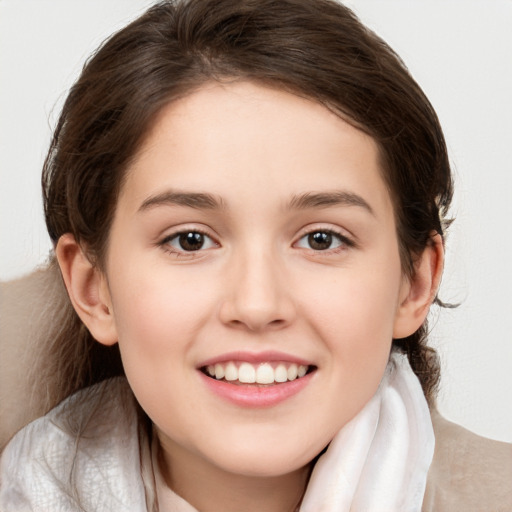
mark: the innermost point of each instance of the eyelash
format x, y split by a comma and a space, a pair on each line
165, 243
344, 242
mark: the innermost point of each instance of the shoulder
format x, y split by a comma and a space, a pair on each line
469, 473
84, 454
32, 308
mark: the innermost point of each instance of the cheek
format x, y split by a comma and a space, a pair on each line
156, 312
156, 321
356, 306
355, 314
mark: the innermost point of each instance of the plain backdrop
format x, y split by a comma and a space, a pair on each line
461, 54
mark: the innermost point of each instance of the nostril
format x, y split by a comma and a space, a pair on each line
277, 323
264, 324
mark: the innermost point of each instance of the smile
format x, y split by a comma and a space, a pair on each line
260, 380
249, 373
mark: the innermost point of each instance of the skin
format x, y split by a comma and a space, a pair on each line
256, 285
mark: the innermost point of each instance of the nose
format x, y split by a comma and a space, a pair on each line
257, 294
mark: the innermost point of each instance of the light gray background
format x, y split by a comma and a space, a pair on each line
461, 54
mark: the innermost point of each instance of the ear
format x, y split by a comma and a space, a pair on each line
88, 290
419, 291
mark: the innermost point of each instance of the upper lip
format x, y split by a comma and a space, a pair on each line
255, 358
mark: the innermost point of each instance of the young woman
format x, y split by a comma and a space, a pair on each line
248, 202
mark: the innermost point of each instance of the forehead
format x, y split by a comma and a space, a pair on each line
240, 135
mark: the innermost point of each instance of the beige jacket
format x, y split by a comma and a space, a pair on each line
468, 474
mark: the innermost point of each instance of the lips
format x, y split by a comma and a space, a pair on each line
256, 380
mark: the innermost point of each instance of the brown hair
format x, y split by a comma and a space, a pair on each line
314, 48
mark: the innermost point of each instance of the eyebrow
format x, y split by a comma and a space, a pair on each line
198, 200
327, 199
205, 201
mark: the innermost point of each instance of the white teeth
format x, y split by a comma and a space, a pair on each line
280, 373
265, 373
231, 372
246, 373
219, 371
292, 372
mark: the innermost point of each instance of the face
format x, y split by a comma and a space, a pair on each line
254, 277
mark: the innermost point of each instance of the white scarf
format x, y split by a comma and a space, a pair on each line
379, 461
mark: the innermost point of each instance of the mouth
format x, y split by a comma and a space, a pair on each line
260, 374
257, 380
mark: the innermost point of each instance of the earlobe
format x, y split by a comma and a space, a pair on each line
419, 291
87, 288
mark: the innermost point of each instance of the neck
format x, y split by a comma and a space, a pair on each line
211, 489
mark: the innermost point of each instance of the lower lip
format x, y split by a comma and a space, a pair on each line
252, 395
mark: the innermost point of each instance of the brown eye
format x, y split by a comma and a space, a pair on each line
323, 240
320, 240
189, 241
192, 241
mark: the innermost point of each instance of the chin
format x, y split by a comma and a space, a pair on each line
264, 463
